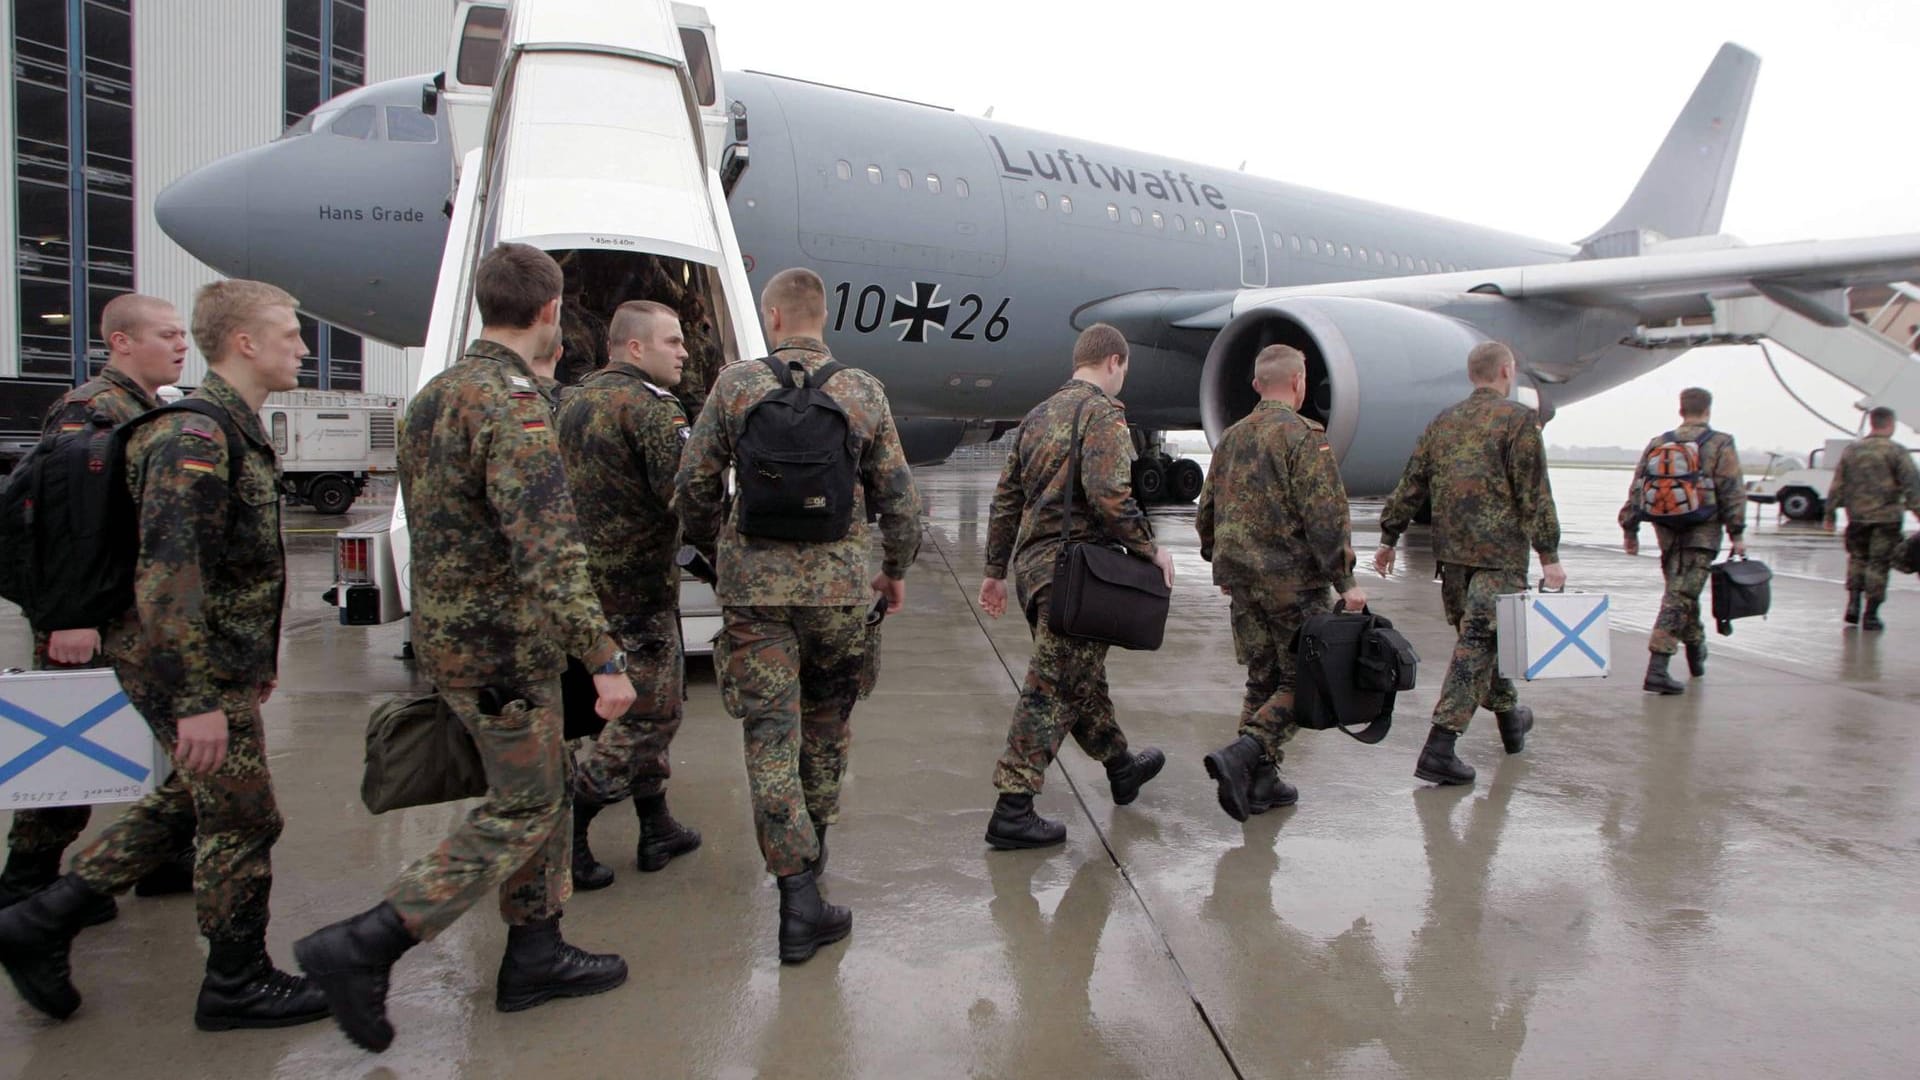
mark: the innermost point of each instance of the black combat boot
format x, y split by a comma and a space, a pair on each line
350, 961
26, 874
539, 966
36, 936
1437, 764
589, 873
1514, 725
1268, 790
1128, 773
662, 839
1657, 680
1852, 617
806, 921
1871, 620
1232, 767
170, 878
1015, 825
819, 863
244, 990
1697, 658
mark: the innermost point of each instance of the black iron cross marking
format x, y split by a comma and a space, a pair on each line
920, 311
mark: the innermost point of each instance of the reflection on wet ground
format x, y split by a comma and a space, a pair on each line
1720, 884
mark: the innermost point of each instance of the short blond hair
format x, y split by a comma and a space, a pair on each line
1278, 364
1096, 343
224, 307
797, 293
633, 320
129, 313
1486, 360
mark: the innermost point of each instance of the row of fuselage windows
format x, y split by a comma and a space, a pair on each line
1294, 243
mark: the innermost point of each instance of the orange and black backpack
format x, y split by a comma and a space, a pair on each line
1675, 490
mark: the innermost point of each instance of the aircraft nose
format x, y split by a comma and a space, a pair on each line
205, 212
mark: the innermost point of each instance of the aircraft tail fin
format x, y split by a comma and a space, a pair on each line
1684, 190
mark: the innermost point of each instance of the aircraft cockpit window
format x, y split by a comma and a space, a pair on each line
933, 184
960, 188
302, 126
843, 170
355, 123
480, 46
873, 174
409, 125
1066, 204
699, 63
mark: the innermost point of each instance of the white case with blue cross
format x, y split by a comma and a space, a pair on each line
70, 738
1554, 635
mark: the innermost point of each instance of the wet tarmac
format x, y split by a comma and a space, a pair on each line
1719, 884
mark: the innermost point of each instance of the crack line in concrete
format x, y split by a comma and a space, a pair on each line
1166, 945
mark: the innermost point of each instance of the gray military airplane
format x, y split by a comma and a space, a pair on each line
963, 255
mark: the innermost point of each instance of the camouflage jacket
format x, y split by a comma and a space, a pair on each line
1031, 499
502, 594
758, 572
114, 395
1874, 483
210, 579
621, 438
1718, 459
1273, 514
1482, 465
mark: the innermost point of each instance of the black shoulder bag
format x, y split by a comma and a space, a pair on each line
1102, 593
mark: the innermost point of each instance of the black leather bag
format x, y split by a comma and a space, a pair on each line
1742, 588
1101, 593
1339, 659
418, 754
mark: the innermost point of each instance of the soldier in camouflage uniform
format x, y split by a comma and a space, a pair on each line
1482, 467
502, 594
1066, 685
1273, 522
1687, 551
621, 432
146, 347
795, 651
197, 657
1876, 484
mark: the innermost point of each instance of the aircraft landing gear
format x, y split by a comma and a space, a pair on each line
1159, 477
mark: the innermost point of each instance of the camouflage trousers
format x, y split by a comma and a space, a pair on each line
629, 756
791, 675
1686, 571
1065, 693
1870, 547
519, 839
232, 808
1470, 594
1263, 631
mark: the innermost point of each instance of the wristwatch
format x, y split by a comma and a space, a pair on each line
615, 666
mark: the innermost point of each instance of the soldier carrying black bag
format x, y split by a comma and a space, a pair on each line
1273, 522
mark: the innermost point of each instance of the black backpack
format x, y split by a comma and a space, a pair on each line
1742, 588
1348, 668
69, 529
796, 467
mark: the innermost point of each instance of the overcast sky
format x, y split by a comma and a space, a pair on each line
1535, 118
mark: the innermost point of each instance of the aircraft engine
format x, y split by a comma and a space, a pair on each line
1377, 372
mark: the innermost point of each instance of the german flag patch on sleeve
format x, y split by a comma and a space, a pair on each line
533, 425
196, 465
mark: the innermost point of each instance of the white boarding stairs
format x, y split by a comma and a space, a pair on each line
1860, 353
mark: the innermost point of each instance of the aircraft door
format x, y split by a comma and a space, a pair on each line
1253, 249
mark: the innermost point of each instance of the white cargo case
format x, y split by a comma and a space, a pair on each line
71, 738
1554, 635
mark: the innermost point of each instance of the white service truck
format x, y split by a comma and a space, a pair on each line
331, 443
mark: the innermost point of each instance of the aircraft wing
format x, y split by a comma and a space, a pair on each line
1804, 276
